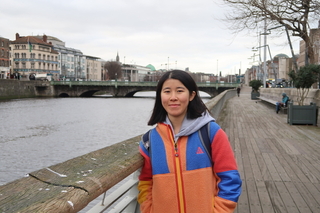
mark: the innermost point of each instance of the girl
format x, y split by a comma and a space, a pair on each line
180, 173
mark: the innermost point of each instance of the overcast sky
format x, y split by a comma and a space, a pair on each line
187, 33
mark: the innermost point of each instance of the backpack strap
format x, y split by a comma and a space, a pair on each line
205, 138
146, 141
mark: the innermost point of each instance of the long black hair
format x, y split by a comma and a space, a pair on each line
195, 108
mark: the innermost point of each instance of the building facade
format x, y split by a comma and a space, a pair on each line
4, 58
72, 62
93, 68
315, 42
31, 55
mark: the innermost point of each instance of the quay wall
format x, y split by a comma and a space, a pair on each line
71, 185
12, 89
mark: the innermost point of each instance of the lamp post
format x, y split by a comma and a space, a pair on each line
271, 59
265, 54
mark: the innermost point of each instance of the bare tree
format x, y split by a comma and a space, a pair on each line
113, 70
295, 15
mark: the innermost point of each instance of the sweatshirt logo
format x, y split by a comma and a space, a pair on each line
199, 151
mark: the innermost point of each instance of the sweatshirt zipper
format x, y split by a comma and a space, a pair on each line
178, 174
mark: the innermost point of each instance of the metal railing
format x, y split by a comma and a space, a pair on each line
123, 199
134, 83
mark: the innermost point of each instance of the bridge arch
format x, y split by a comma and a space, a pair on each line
124, 89
63, 95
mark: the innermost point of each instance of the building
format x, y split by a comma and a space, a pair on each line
4, 58
132, 72
93, 68
72, 62
31, 55
315, 42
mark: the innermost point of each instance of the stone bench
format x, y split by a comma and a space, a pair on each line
272, 100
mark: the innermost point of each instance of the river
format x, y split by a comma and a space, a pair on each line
39, 132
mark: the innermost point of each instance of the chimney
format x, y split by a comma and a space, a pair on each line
44, 38
17, 36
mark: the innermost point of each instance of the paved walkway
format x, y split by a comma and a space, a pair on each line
279, 163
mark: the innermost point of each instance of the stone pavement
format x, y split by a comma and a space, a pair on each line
278, 163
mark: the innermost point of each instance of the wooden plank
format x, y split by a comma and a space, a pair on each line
243, 202
254, 201
276, 201
287, 201
310, 201
297, 197
273, 171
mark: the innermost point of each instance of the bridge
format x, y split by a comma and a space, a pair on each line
119, 88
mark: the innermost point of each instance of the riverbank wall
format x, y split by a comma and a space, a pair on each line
15, 89
12, 89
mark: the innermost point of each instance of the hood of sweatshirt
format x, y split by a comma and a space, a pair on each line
190, 126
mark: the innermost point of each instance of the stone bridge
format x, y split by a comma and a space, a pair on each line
118, 88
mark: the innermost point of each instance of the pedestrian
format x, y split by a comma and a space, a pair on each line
282, 103
189, 165
238, 91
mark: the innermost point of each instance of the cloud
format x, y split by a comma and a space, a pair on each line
186, 33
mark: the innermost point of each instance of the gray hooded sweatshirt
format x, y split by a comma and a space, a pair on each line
190, 126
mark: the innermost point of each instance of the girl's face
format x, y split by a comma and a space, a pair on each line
175, 98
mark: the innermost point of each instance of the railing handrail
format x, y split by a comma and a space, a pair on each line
134, 83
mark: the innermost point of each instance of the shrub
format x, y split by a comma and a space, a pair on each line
303, 80
255, 84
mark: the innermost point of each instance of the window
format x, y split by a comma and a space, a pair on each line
16, 55
24, 65
44, 57
32, 65
2, 43
17, 64
2, 52
48, 57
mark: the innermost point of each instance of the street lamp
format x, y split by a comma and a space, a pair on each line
271, 59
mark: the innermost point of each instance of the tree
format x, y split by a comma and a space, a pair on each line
303, 80
113, 70
292, 14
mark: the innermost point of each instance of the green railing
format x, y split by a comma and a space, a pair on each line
132, 83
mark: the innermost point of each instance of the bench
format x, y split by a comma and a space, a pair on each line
272, 100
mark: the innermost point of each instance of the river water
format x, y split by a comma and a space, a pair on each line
40, 132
